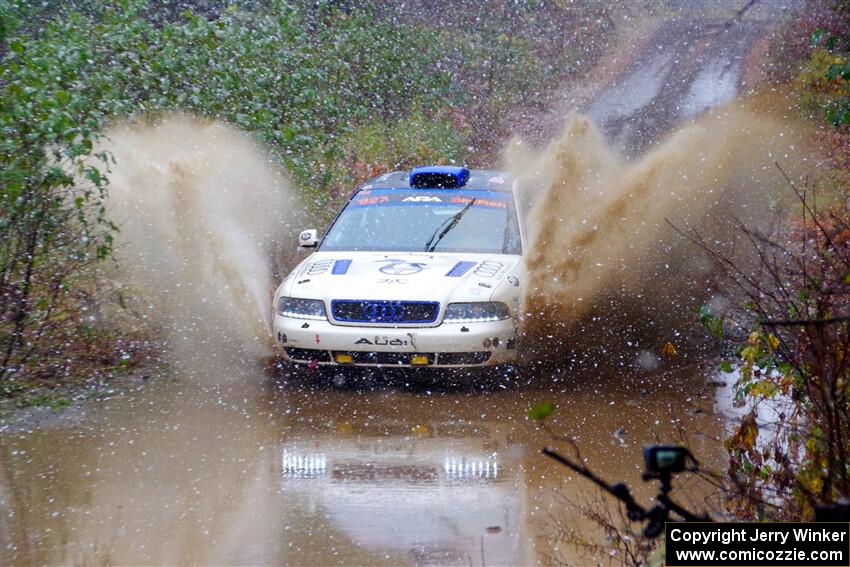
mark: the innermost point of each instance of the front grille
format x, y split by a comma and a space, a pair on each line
372, 311
307, 354
448, 358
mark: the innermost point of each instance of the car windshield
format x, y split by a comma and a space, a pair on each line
417, 220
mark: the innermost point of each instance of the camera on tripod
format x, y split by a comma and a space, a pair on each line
663, 460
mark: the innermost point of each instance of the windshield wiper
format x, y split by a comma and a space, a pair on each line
452, 222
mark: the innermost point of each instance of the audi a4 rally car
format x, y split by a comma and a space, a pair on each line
421, 268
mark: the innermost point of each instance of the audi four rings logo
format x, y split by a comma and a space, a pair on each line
383, 312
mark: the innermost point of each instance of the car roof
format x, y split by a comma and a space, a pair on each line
479, 179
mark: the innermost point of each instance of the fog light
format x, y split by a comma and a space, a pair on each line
486, 343
344, 358
495, 341
420, 360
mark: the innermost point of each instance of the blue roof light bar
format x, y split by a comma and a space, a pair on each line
438, 177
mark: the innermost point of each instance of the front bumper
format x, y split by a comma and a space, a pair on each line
449, 345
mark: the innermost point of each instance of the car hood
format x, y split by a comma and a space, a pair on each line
400, 276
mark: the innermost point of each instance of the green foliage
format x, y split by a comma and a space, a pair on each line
268, 72
380, 145
8, 22
712, 323
52, 213
541, 411
11, 388
825, 77
47, 400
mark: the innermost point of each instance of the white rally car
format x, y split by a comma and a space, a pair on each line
422, 268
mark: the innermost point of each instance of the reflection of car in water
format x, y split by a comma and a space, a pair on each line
433, 500
421, 268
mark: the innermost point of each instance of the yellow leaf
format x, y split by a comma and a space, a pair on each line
754, 338
773, 341
764, 389
748, 431
669, 349
750, 353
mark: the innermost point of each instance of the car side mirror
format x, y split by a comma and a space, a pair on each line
308, 238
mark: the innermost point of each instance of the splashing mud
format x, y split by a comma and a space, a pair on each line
202, 216
606, 267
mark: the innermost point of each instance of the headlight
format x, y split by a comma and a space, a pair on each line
302, 308
478, 312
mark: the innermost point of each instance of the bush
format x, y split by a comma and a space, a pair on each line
791, 451
824, 81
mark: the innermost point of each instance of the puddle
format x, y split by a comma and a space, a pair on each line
252, 472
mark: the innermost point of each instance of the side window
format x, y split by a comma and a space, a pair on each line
513, 239
528, 190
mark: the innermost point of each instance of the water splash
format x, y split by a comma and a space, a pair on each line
202, 216
607, 271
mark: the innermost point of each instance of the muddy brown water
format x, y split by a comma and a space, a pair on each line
260, 471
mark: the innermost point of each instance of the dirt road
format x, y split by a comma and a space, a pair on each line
664, 73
